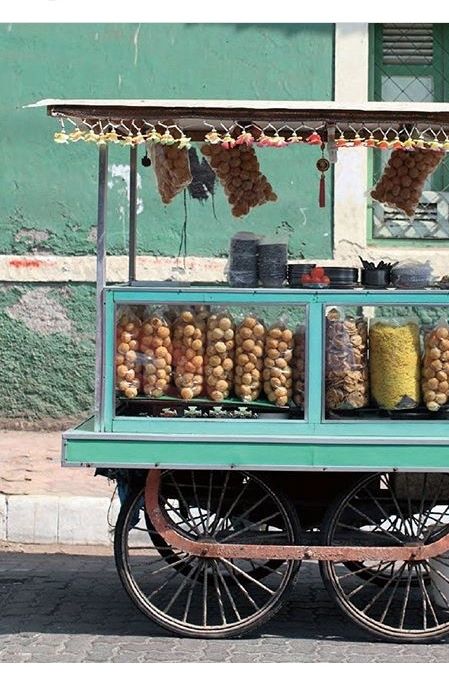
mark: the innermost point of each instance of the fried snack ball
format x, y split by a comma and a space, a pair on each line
172, 168
219, 359
278, 347
189, 336
299, 366
238, 170
434, 378
156, 349
249, 347
404, 176
127, 367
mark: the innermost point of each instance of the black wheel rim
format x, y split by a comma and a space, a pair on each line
208, 597
399, 600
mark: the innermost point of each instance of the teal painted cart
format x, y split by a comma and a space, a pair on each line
224, 501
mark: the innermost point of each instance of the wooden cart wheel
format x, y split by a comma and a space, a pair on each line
257, 570
196, 596
401, 601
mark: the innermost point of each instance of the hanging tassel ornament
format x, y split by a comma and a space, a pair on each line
323, 165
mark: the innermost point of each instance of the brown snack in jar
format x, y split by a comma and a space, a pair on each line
299, 366
219, 360
248, 385
189, 336
156, 355
127, 366
435, 379
346, 373
277, 364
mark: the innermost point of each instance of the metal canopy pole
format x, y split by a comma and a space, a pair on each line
132, 214
101, 282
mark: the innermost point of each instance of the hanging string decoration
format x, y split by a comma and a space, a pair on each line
322, 165
231, 151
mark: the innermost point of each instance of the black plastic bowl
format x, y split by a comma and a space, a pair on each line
340, 275
379, 279
296, 270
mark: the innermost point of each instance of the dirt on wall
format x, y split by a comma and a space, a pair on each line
47, 355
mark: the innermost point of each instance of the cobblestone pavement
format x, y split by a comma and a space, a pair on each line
72, 608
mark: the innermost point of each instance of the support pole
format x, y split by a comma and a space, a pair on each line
132, 214
101, 282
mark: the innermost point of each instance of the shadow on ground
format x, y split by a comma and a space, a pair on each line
77, 594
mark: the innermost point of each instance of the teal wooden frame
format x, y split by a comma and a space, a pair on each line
309, 443
315, 301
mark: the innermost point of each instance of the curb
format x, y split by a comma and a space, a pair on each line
51, 519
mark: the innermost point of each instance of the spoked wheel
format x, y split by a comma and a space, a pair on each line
197, 596
400, 601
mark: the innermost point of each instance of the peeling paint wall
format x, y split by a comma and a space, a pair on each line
49, 191
46, 351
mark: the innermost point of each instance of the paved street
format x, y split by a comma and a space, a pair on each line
71, 607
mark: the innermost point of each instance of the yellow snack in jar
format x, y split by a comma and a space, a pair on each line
395, 364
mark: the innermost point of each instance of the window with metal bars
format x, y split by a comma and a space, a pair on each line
410, 63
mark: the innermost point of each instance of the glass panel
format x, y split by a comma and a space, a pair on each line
203, 361
407, 88
387, 362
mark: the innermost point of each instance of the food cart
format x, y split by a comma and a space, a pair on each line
250, 443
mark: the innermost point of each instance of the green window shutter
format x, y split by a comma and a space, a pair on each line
410, 63
407, 44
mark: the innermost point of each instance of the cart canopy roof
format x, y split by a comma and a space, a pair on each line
197, 117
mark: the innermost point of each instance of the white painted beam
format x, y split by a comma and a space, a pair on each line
351, 169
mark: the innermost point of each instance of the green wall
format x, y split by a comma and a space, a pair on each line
49, 191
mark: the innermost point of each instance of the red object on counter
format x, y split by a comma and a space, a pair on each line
317, 275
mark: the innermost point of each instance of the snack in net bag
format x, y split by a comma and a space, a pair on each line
172, 169
346, 361
435, 369
277, 373
189, 338
127, 364
299, 365
402, 181
156, 353
219, 360
238, 170
249, 346
395, 363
